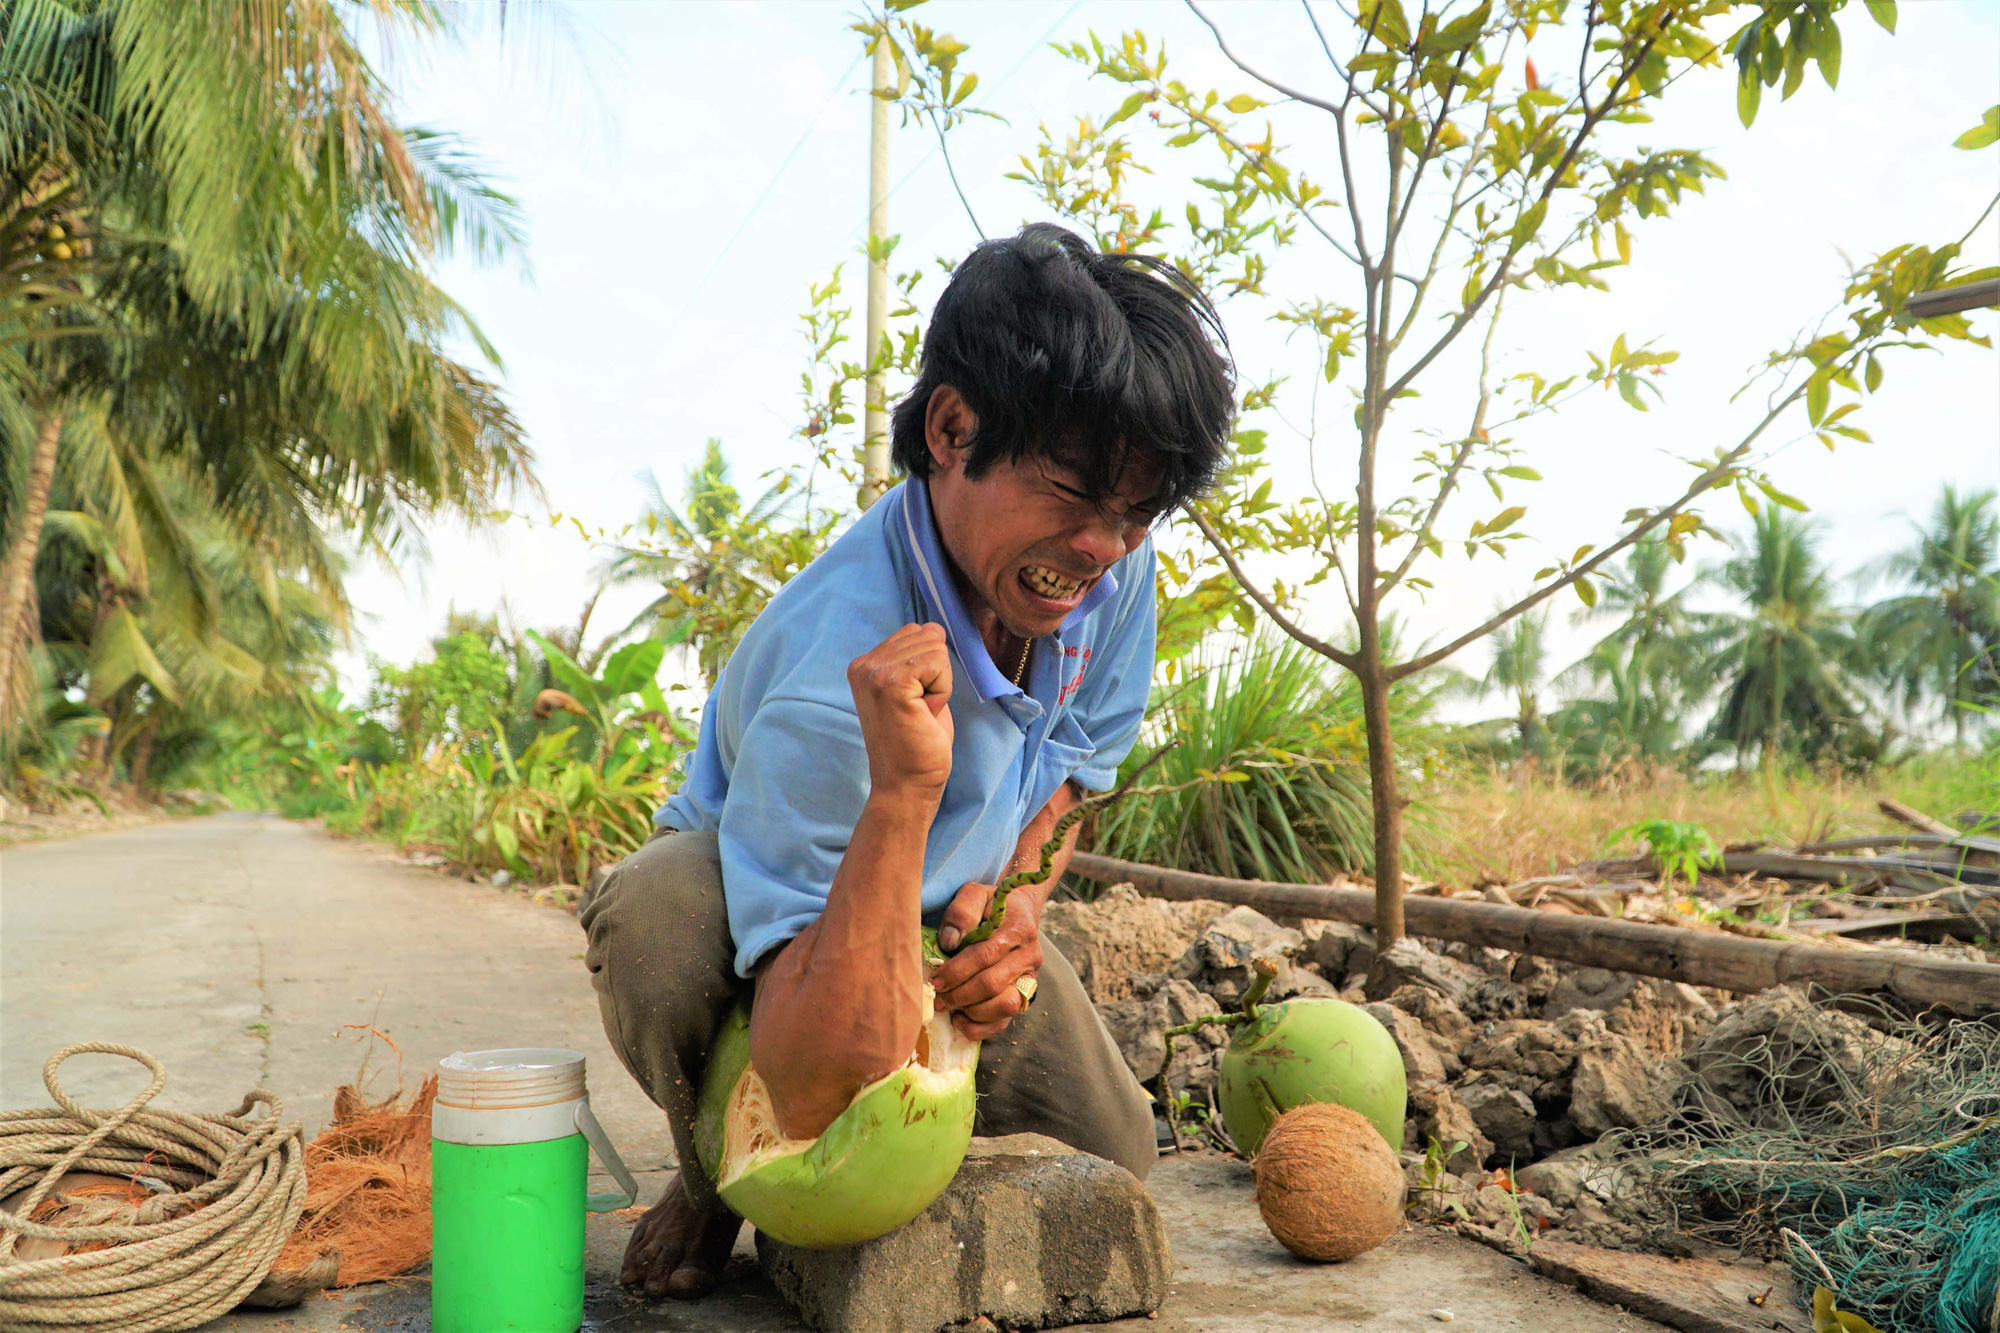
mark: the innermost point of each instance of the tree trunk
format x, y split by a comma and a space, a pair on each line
1698, 957
17, 570
1384, 794
140, 764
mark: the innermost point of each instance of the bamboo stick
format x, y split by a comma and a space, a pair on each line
1700, 958
1916, 819
1845, 871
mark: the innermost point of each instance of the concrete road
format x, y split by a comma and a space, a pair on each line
236, 948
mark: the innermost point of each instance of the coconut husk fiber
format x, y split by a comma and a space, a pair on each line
368, 1192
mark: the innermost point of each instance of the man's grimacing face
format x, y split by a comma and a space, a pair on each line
1026, 540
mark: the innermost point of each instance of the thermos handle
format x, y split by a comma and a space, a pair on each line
600, 1143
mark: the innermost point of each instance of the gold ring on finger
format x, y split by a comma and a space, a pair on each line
1025, 985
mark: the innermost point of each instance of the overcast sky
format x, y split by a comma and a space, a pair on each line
687, 169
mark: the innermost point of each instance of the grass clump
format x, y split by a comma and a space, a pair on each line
1288, 730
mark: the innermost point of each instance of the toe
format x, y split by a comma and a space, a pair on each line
691, 1280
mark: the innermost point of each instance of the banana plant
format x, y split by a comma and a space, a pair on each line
624, 707
550, 815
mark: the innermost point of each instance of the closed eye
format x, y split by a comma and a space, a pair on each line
1136, 516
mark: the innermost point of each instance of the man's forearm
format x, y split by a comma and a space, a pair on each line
840, 1005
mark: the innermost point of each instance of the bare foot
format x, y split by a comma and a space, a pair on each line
675, 1251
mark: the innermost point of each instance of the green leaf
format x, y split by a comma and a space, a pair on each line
1242, 104
1778, 497
633, 667
1819, 391
1795, 63
1519, 473
1470, 292
1873, 375
1127, 109
1985, 132
1829, 53
1748, 93
1529, 223
1884, 13
1506, 518
1829, 1318
1586, 592
965, 89
119, 655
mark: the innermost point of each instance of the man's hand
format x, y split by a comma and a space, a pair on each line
978, 981
902, 694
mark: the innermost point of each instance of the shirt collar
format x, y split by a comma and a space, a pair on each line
941, 597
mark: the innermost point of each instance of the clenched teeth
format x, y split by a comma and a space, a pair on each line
1050, 584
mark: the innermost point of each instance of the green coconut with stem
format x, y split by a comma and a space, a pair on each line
1298, 1051
881, 1162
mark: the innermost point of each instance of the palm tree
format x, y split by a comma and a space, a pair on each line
1630, 689
1629, 714
169, 625
716, 562
1650, 619
213, 209
1520, 667
1941, 640
1783, 660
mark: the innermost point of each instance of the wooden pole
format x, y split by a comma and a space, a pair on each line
1951, 300
875, 414
1696, 957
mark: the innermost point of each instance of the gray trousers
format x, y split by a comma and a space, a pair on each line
662, 961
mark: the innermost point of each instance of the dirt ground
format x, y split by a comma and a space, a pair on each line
235, 948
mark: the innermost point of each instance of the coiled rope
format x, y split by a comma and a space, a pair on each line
173, 1260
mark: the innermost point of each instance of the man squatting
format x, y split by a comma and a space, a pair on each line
906, 721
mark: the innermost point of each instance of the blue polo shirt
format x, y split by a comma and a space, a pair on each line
780, 773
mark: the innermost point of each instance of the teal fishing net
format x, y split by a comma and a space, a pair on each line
1861, 1146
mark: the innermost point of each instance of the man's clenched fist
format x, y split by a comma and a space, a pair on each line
902, 692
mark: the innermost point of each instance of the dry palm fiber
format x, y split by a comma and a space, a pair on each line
368, 1193
1862, 1144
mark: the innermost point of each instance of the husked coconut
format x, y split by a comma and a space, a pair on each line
1327, 1183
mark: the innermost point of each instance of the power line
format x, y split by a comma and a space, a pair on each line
840, 86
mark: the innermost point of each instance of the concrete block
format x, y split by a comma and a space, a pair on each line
1031, 1234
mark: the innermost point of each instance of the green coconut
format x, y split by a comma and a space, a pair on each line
881, 1162
1304, 1050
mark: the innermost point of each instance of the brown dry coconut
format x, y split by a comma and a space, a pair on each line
1327, 1183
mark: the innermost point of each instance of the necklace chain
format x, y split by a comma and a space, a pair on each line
1021, 667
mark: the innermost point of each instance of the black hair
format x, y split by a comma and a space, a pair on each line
1092, 361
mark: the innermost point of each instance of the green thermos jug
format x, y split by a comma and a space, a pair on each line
511, 1136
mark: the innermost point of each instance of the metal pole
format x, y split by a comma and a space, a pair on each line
875, 417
